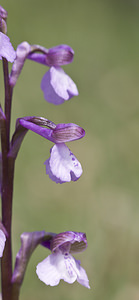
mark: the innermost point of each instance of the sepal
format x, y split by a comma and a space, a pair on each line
29, 242
77, 241
67, 132
56, 56
22, 52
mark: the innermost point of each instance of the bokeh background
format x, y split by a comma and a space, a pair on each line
104, 202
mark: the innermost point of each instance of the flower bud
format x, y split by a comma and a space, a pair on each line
3, 17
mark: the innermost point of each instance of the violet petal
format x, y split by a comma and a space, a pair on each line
6, 48
57, 86
55, 267
62, 163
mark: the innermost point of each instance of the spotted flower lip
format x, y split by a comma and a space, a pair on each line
60, 264
62, 166
6, 49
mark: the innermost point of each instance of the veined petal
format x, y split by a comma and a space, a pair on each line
63, 164
56, 56
57, 86
2, 242
59, 55
6, 48
67, 132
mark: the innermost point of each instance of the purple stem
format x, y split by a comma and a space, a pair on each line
7, 189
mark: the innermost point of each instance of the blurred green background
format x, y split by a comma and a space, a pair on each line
104, 202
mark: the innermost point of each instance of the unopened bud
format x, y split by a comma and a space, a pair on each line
3, 17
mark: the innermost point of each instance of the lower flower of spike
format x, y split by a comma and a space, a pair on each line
60, 264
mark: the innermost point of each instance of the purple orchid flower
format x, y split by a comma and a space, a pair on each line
62, 166
2, 242
56, 85
6, 48
60, 264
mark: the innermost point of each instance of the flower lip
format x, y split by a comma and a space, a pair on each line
67, 132
77, 241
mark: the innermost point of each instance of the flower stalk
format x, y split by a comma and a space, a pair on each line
7, 187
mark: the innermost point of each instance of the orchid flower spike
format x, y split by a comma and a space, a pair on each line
56, 85
60, 264
6, 49
62, 166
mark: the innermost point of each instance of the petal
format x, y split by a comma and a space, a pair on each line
82, 276
2, 242
6, 48
67, 132
57, 86
63, 164
47, 271
55, 267
44, 132
21, 54
59, 55
49, 172
56, 56
76, 240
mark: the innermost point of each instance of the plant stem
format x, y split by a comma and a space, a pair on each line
7, 189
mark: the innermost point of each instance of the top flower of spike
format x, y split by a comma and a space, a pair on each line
56, 85
6, 48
